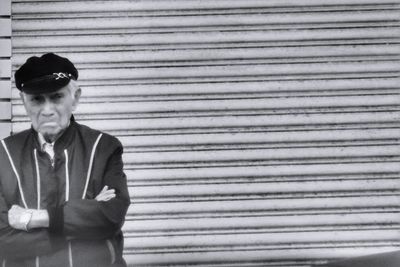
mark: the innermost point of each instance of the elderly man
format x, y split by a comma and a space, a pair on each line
63, 192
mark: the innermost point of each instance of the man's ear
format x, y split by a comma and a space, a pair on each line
77, 96
21, 94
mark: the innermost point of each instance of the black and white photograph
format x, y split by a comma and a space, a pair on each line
200, 133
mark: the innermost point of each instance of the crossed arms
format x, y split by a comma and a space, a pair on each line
26, 219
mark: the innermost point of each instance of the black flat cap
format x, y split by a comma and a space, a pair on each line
45, 74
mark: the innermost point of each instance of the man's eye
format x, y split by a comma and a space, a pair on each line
37, 99
56, 96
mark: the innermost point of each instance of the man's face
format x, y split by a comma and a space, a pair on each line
50, 113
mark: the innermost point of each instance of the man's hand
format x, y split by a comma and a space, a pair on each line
19, 218
105, 194
25, 219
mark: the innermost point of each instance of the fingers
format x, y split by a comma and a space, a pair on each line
16, 208
105, 197
18, 217
105, 188
106, 194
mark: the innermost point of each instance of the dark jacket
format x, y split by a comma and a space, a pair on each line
82, 232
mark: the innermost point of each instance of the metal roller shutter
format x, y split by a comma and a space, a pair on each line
256, 133
5, 68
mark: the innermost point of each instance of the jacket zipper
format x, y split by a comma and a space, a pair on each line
70, 259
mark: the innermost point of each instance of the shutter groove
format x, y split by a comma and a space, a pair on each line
256, 133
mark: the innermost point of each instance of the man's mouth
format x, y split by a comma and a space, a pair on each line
49, 123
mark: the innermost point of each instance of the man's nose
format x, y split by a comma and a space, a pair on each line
48, 108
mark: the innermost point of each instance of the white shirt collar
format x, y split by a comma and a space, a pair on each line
43, 141
47, 147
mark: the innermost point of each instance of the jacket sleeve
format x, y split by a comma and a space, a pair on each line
17, 244
91, 219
